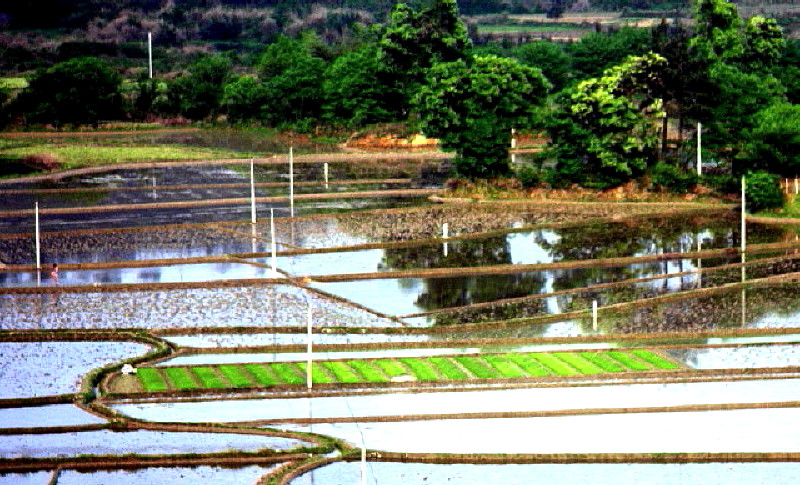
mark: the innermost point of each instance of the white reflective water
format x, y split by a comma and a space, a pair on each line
45, 416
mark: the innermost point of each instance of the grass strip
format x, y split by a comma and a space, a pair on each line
261, 374
448, 368
553, 364
368, 370
289, 373
318, 374
529, 365
603, 362
209, 378
151, 380
343, 372
420, 369
577, 361
236, 376
181, 378
504, 366
391, 367
628, 360
478, 367
655, 359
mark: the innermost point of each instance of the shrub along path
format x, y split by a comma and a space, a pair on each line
462, 368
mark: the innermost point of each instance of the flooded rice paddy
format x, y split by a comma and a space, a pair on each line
380, 280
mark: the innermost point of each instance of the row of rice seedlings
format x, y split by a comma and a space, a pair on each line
436, 368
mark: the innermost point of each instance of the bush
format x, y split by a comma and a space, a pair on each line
763, 191
529, 176
672, 178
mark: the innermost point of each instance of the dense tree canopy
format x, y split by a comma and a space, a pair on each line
471, 106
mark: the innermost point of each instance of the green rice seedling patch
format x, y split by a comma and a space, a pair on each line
181, 378
289, 373
261, 375
209, 378
554, 364
504, 366
151, 379
318, 374
577, 361
235, 375
602, 361
529, 365
421, 369
391, 367
343, 372
654, 359
629, 361
368, 370
448, 368
477, 366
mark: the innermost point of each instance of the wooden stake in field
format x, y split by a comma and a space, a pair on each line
309, 350
291, 181
273, 246
744, 227
252, 192
38, 243
699, 149
325, 170
594, 315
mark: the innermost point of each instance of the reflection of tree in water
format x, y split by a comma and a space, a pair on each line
465, 253
705, 313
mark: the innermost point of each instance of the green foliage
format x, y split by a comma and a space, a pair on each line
368, 370
606, 132
391, 367
577, 361
151, 379
628, 360
244, 99
530, 176
763, 42
181, 378
717, 27
261, 374
199, 95
773, 144
447, 368
505, 366
550, 58
209, 377
235, 375
554, 364
600, 51
602, 361
654, 359
420, 368
672, 178
763, 191
79, 91
288, 372
477, 366
528, 364
342, 372
318, 374
472, 107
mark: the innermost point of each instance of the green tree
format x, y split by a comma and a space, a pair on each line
549, 57
599, 51
763, 191
244, 99
764, 43
774, 141
355, 93
413, 41
79, 91
605, 132
717, 25
199, 94
472, 107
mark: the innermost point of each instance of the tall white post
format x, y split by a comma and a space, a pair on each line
150, 54
38, 241
594, 315
252, 192
274, 250
699, 149
363, 462
325, 169
291, 180
795, 186
445, 230
309, 350
744, 227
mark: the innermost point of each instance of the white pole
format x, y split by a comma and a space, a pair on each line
150, 54
513, 138
272, 231
38, 242
594, 314
795, 186
363, 462
445, 230
309, 350
291, 180
699, 149
325, 168
252, 192
744, 227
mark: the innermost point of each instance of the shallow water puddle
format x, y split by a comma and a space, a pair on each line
202, 475
46, 416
